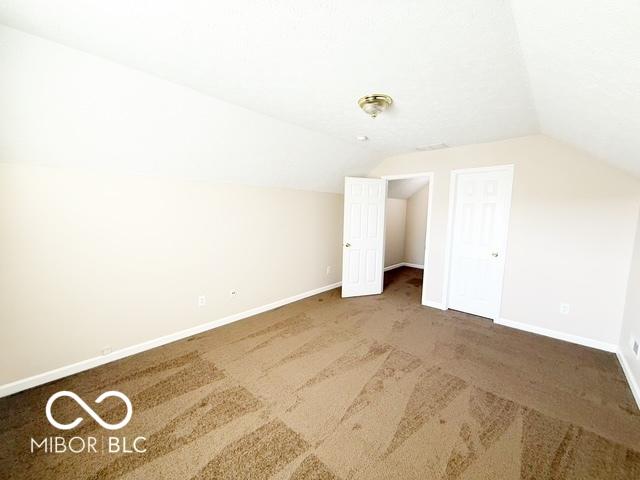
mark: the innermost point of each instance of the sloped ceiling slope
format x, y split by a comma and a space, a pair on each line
406, 188
583, 59
453, 68
64, 108
456, 70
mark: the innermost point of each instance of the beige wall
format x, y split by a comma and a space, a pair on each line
572, 225
89, 261
417, 206
62, 107
93, 256
631, 323
394, 231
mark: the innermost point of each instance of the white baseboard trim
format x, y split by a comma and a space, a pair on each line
633, 384
403, 264
567, 337
41, 378
432, 304
414, 265
394, 266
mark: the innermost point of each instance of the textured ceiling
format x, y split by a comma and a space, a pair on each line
460, 72
453, 68
64, 108
406, 187
583, 59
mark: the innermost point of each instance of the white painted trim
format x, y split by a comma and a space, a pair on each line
427, 240
633, 384
447, 245
587, 342
505, 241
403, 176
394, 266
414, 265
567, 337
432, 304
490, 168
452, 197
403, 264
41, 378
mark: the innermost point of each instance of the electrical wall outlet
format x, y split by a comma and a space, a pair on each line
202, 301
328, 269
106, 350
565, 308
635, 347
233, 293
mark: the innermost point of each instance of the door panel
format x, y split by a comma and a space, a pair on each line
480, 221
363, 242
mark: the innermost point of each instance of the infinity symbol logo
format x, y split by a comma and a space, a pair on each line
89, 410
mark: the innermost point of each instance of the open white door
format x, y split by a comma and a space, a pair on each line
363, 242
482, 200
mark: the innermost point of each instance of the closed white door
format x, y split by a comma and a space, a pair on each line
363, 240
479, 233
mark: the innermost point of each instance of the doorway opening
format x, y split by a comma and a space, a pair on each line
364, 233
407, 225
378, 219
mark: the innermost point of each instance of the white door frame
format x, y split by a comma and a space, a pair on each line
427, 234
450, 219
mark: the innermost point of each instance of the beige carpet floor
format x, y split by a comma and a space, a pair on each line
327, 388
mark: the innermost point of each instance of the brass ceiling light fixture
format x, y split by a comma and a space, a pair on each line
374, 105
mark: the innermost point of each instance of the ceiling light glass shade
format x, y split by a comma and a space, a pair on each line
373, 105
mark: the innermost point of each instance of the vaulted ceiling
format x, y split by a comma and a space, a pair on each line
460, 72
407, 187
583, 61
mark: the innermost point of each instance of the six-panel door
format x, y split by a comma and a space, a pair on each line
363, 242
480, 219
